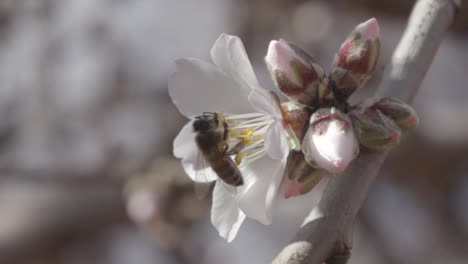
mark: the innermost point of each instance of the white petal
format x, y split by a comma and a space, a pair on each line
225, 215
258, 199
276, 144
332, 151
197, 86
184, 144
264, 102
228, 53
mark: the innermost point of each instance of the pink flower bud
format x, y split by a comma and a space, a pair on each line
296, 73
330, 142
403, 114
375, 130
299, 177
356, 60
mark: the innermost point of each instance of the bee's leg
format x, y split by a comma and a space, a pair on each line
226, 131
236, 149
225, 134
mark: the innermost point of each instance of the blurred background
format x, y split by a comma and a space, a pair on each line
86, 167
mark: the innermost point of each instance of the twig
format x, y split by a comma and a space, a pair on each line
329, 238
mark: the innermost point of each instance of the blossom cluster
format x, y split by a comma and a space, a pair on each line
336, 129
278, 147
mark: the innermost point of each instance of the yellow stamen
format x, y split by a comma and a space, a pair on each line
250, 152
230, 121
257, 138
247, 132
246, 139
238, 158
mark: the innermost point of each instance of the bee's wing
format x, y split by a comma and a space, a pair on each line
202, 168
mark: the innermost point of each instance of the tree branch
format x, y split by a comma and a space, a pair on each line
329, 238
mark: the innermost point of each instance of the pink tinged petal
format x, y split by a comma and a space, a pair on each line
258, 199
225, 214
369, 29
228, 53
291, 188
294, 72
279, 56
330, 143
197, 86
276, 144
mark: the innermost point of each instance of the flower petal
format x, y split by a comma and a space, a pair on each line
197, 86
264, 101
184, 144
276, 144
225, 215
228, 53
257, 200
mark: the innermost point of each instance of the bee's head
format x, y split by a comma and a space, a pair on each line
206, 122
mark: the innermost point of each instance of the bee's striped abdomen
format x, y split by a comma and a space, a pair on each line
227, 171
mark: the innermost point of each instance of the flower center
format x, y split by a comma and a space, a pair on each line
246, 136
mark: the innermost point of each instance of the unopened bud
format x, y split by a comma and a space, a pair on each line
403, 114
299, 177
356, 60
297, 116
375, 130
295, 72
330, 142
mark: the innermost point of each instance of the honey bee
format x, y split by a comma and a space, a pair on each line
211, 135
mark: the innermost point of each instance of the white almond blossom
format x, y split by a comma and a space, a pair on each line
229, 86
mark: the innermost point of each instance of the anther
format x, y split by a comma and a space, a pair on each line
247, 132
238, 158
